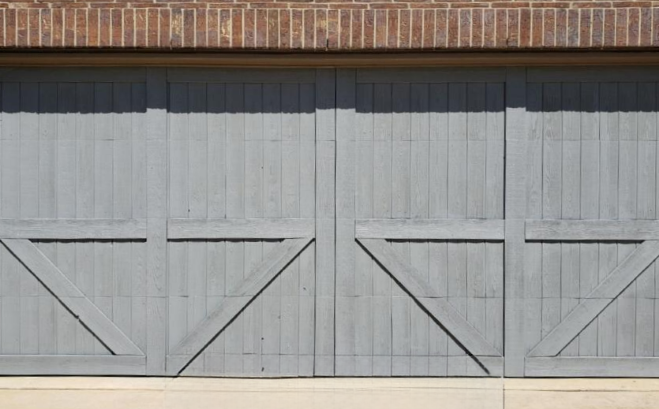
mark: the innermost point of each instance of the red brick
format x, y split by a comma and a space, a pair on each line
609, 28
560, 33
165, 28
356, 41
201, 30
285, 29
453, 29
58, 28
646, 27
621, 27
273, 28
129, 30
225, 28
213, 18
117, 27
81, 28
573, 28
249, 36
188, 28
381, 29
525, 28
441, 29
477, 29
465, 28
428, 29
489, 28
392, 28
3, 24
501, 18
537, 28
237, 28
319, 29
404, 29
332, 29
549, 28
261, 31
598, 28
92, 28
344, 29
329, 24
297, 29
69, 28
368, 41
21, 27
46, 27
634, 20
584, 34
140, 28
33, 27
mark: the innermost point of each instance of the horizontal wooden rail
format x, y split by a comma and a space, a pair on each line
184, 229
593, 367
596, 230
72, 365
430, 229
73, 229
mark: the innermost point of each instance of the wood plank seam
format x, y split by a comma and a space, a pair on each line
438, 308
233, 304
597, 300
71, 297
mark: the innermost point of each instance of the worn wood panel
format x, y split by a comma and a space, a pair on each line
595, 185
242, 177
79, 141
409, 167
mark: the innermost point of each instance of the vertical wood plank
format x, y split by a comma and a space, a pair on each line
325, 209
157, 213
589, 262
515, 205
66, 207
346, 247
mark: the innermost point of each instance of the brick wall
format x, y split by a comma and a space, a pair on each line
329, 24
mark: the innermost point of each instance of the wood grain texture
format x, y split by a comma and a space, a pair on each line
276, 228
592, 230
430, 229
438, 307
262, 274
592, 367
69, 295
593, 304
73, 229
36, 365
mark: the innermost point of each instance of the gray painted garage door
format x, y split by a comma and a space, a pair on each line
371, 222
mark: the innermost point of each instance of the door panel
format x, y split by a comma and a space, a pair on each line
593, 150
73, 207
428, 151
241, 149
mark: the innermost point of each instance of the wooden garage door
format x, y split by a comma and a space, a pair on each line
419, 222
242, 206
73, 283
591, 231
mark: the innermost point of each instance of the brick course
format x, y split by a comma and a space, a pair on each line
329, 25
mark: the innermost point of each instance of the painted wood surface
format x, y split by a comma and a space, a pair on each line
419, 159
590, 304
155, 193
430, 229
